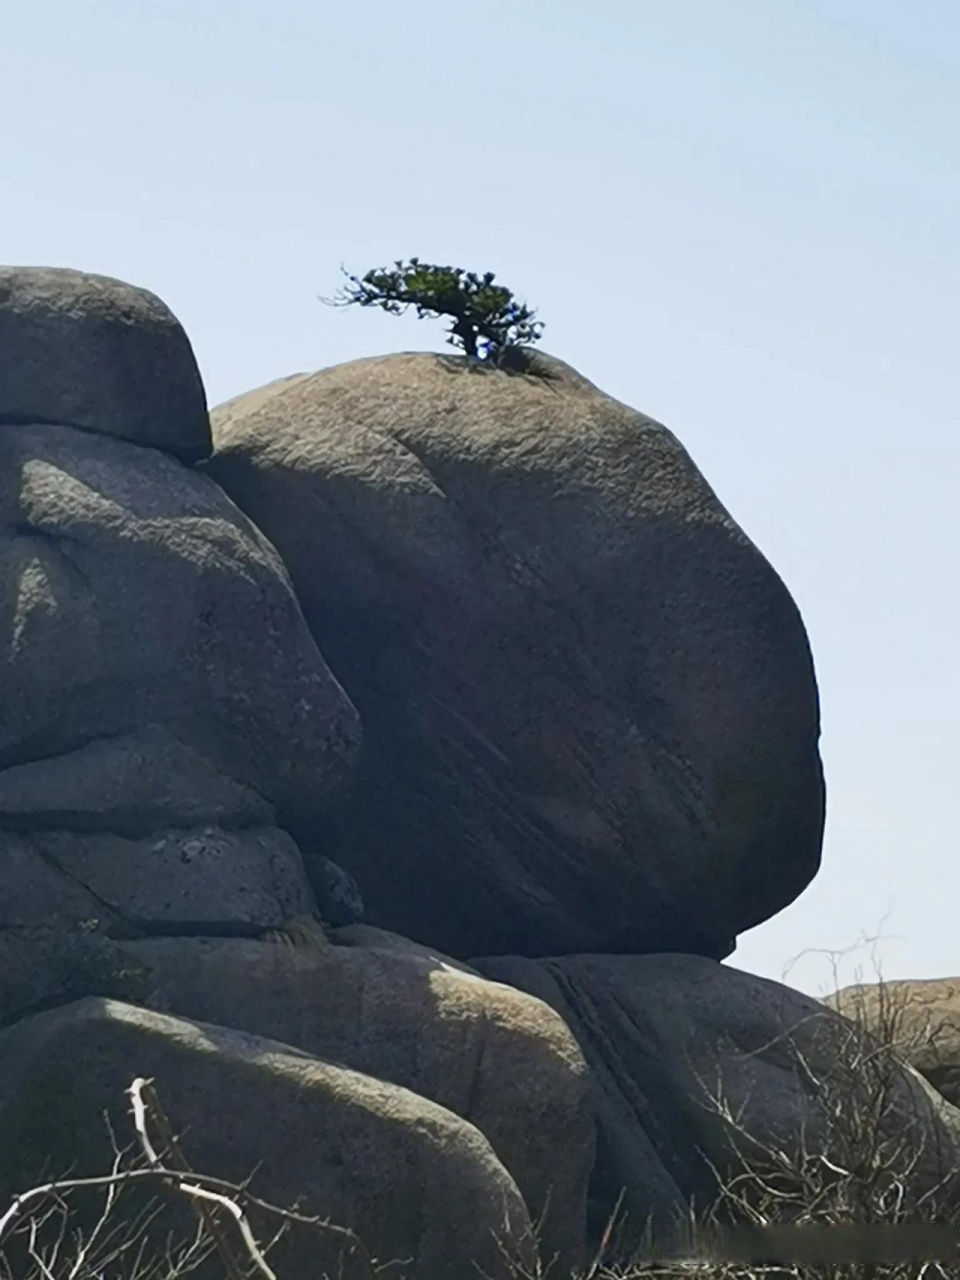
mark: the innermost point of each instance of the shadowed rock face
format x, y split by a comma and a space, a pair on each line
693, 1061
489, 1053
413, 1180
589, 708
133, 594
91, 352
165, 708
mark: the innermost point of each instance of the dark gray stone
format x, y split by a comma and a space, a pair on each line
36, 892
91, 352
673, 1039
590, 715
412, 1179
146, 612
205, 880
67, 896
46, 965
339, 900
139, 780
491, 1054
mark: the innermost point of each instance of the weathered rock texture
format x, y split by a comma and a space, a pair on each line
142, 606
920, 1016
491, 1054
368, 935
694, 1061
86, 351
589, 710
590, 724
413, 1180
166, 713
178, 881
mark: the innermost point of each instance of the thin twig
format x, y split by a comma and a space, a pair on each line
145, 1102
193, 1189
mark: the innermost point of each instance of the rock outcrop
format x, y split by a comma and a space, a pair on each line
921, 1016
590, 733
698, 1067
495, 1056
149, 620
174, 752
156, 667
411, 1179
89, 352
590, 717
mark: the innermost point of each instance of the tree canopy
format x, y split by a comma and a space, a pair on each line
486, 320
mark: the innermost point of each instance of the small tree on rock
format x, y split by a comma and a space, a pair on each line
486, 319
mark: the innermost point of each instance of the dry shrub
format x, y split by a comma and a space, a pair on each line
868, 1191
868, 1188
106, 1228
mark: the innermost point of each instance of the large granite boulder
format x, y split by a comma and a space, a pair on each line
699, 1067
590, 716
167, 717
921, 1016
414, 1181
499, 1058
487, 1052
87, 351
149, 618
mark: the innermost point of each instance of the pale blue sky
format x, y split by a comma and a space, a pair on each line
740, 216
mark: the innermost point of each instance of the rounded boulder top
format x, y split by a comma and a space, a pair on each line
589, 707
95, 353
